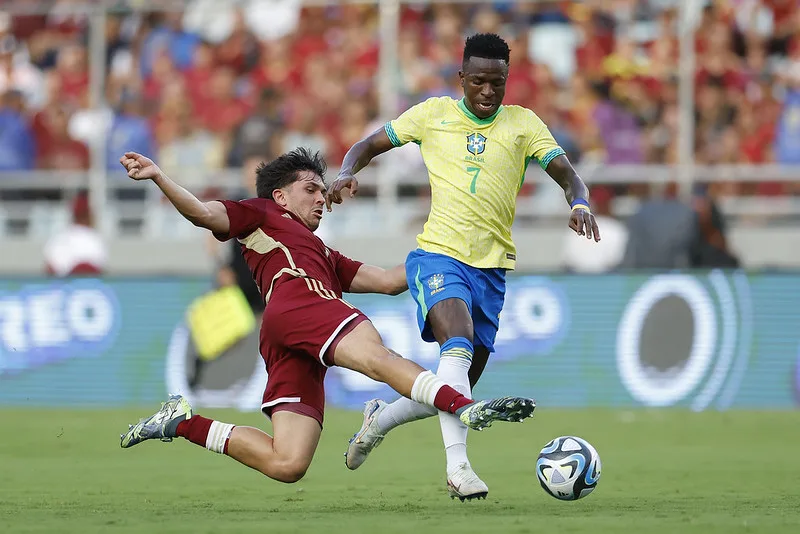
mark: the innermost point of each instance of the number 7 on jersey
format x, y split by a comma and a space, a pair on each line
475, 171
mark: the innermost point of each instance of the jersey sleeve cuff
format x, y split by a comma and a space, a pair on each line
392, 135
347, 277
226, 236
550, 156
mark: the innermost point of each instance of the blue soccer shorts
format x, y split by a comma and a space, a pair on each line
435, 277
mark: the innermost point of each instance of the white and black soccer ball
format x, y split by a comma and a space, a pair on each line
568, 468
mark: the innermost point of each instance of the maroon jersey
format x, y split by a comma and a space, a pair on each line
278, 247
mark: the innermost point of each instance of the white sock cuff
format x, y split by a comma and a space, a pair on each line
454, 362
458, 353
218, 435
425, 388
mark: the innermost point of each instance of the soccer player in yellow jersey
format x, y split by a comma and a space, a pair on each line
476, 152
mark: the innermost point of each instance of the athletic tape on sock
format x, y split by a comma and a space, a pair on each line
425, 387
218, 434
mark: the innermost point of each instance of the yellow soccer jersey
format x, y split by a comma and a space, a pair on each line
476, 168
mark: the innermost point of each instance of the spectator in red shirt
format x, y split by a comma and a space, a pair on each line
276, 67
198, 77
164, 71
72, 68
59, 151
224, 110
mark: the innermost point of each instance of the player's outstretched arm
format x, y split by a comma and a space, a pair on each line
581, 219
372, 279
358, 157
210, 215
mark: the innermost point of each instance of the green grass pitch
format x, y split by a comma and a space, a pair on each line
62, 471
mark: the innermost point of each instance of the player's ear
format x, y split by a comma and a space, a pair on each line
461, 77
279, 196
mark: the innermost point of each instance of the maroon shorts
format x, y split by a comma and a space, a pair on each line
299, 332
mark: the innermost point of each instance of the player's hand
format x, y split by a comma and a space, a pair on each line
343, 181
582, 223
139, 167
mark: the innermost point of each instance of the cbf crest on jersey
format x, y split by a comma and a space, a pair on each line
476, 144
436, 283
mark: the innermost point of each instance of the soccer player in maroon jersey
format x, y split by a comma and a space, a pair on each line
306, 327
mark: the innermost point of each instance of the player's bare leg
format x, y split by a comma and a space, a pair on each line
362, 350
460, 365
380, 417
287, 455
479, 361
451, 324
284, 457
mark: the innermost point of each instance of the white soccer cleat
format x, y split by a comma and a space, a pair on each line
463, 483
367, 438
161, 425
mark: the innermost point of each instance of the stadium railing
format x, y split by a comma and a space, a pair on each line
37, 203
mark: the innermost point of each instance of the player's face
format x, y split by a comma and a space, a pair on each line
305, 197
484, 83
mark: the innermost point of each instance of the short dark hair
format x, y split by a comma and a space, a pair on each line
284, 170
486, 45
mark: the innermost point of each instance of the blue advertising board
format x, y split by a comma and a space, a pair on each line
699, 340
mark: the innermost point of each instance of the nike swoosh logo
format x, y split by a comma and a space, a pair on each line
449, 122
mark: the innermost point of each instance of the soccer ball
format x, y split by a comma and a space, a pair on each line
568, 468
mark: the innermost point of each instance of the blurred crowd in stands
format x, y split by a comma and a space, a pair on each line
220, 83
